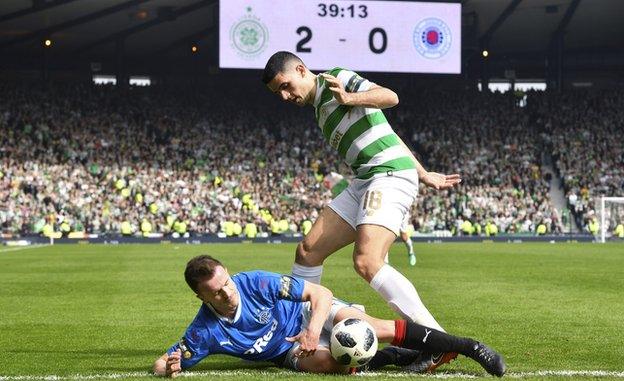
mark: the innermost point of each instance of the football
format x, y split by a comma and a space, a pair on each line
353, 342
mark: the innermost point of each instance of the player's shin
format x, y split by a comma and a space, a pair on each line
415, 336
409, 245
402, 297
392, 355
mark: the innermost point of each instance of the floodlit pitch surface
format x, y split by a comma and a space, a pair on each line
85, 312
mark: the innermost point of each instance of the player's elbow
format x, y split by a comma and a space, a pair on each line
394, 99
391, 99
317, 293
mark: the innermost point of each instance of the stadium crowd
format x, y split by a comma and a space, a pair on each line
491, 142
582, 131
178, 160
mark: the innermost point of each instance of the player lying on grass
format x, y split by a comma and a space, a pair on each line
263, 316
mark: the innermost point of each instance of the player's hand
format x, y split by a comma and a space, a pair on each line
308, 342
439, 180
336, 87
174, 366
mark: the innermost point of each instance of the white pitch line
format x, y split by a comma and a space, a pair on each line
261, 373
23, 248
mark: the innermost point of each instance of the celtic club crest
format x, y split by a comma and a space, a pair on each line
249, 36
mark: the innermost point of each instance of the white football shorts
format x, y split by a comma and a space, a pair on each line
383, 200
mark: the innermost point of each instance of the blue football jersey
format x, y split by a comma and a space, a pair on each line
269, 311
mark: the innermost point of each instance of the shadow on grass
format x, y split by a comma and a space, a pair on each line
206, 366
94, 352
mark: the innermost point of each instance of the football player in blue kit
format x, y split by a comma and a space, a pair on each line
263, 316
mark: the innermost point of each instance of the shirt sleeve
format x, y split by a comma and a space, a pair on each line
283, 286
193, 346
352, 81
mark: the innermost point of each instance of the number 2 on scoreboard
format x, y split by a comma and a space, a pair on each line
374, 47
307, 36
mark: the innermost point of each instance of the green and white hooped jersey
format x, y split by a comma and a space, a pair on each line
362, 136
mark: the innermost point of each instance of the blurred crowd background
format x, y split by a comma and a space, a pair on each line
189, 161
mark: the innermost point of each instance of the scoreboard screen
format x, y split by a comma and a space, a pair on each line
381, 36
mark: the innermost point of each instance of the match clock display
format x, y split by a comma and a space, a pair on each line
386, 36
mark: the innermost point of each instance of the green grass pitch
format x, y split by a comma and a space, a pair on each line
83, 312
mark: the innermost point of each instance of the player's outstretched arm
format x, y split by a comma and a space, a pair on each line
439, 180
168, 365
320, 299
375, 97
433, 179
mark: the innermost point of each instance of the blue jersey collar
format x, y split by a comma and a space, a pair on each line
226, 319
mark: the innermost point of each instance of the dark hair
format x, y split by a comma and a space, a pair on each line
277, 63
198, 268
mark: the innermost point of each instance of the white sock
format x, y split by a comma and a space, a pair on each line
402, 297
410, 247
386, 259
310, 273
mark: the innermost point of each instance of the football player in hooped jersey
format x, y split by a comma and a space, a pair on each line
263, 316
369, 212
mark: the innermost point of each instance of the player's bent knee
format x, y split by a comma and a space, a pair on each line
301, 254
365, 266
305, 256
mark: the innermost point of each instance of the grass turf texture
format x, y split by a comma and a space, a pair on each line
95, 309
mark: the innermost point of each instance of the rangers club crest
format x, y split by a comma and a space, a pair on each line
263, 316
432, 38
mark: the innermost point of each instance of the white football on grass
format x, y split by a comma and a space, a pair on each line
353, 342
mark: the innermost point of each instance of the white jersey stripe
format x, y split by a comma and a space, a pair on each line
358, 136
388, 154
347, 121
365, 139
326, 111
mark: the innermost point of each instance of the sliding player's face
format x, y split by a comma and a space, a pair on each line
291, 85
220, 292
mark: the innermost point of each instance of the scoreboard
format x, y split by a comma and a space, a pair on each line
380, 36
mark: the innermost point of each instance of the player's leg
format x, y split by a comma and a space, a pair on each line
372, 242
321, 362
410, 247
394, 287
383, 204
414, 336
333, 230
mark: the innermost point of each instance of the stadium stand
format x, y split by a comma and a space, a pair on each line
175, 160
